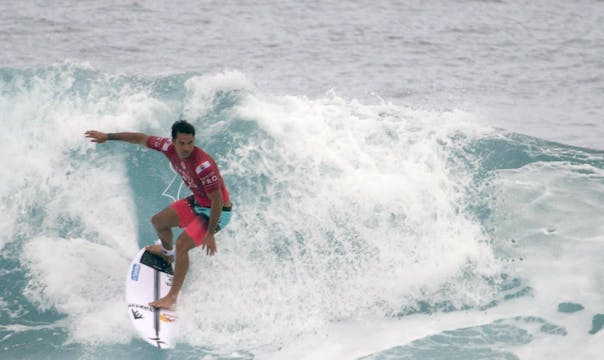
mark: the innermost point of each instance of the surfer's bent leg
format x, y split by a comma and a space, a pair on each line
163, 222
195, 229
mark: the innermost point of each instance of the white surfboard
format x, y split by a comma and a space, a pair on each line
150, 278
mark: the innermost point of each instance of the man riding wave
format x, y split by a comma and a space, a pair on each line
201, 215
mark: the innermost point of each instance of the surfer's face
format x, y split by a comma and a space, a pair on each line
184, 145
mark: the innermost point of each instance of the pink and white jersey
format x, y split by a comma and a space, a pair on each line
199, 172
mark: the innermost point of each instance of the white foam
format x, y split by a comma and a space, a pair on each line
360, 215
83, 280
202, 90
554, 230
68, 202
370, 335
547, 209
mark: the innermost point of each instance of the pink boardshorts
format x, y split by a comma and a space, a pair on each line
194, 218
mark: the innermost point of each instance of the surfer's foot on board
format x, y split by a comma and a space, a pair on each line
156, 249
167, 302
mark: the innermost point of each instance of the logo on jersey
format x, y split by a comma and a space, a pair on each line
209, 180
204, 165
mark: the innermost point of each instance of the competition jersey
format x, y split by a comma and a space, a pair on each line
199, 171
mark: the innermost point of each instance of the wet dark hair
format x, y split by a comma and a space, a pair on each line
183, 127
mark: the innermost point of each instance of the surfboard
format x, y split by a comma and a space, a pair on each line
150, 278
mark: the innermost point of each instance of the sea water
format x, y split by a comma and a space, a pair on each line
410, 180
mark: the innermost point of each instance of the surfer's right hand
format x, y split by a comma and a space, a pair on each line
96, 136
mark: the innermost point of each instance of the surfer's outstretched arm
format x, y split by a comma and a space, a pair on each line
131, 137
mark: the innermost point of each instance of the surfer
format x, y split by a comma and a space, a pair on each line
201, 215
